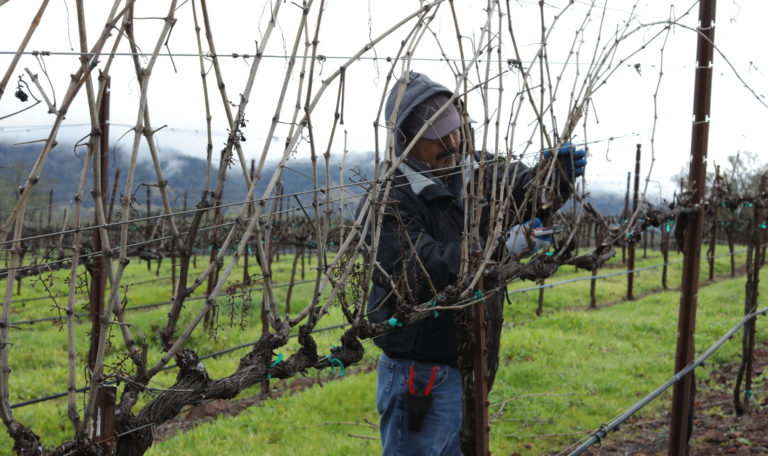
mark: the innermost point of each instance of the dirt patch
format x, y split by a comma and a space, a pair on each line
717, 430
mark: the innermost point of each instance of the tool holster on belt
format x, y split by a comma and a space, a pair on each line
417, 404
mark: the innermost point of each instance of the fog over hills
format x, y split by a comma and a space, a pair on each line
186, 175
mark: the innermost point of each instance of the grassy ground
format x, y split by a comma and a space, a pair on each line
562, 374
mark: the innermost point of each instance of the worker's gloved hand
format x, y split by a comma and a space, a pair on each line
518, 235
573, 161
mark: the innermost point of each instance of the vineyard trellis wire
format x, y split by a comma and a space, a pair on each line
240, 346
339, 279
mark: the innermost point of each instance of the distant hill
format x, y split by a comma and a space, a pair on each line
186, 174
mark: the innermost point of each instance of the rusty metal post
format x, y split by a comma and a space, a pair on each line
665, 254
713, 237
99, 268
50, 208
540, 309
246, 275
149, 226
112, 196
280, 201
184, 216
104, 429
48, 240
149, 211
759, 214
681, 396
631, 246
645, 243
265, 322
480, 364
302, 263
762, 222
625, 217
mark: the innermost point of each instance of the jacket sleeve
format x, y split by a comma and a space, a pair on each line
403, 227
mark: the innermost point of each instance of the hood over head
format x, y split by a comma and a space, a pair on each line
419, 89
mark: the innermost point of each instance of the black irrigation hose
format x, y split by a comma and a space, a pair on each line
171, 366
601, 432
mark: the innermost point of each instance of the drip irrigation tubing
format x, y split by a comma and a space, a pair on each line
603, 430
171, 366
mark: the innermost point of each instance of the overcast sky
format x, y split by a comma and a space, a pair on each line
623, 109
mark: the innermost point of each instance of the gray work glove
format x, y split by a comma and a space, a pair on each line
518, 235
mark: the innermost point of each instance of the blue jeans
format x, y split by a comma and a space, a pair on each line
439, 435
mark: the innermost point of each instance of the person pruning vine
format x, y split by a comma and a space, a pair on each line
419, 253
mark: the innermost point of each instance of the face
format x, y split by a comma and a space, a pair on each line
440, 154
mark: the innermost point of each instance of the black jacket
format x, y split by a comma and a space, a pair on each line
430, 213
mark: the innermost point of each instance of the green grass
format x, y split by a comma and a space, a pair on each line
563, 373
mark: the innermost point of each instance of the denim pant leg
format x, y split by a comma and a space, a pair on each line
439, 434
